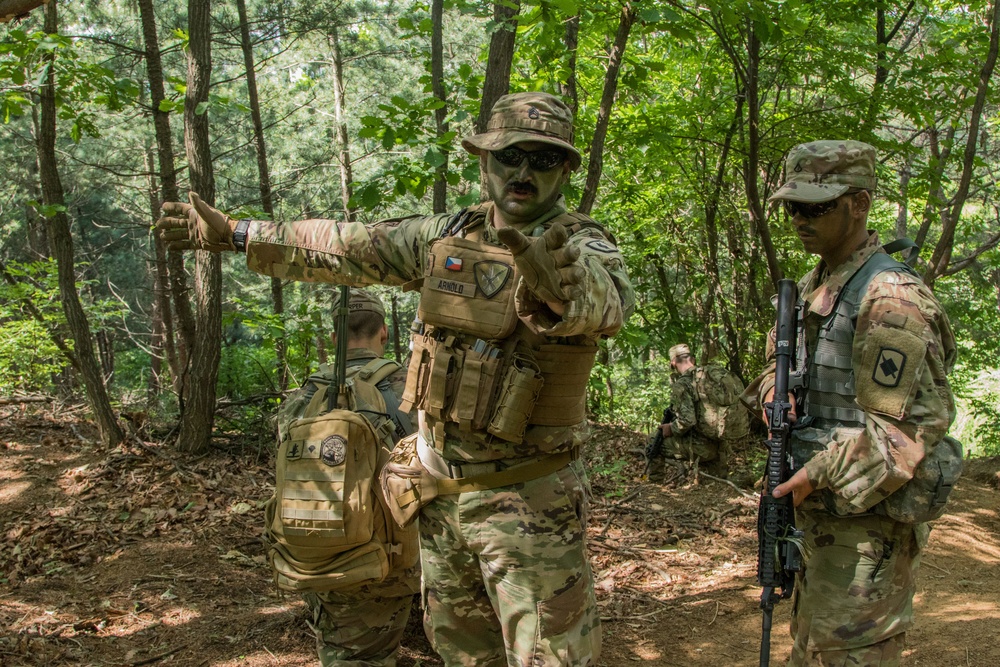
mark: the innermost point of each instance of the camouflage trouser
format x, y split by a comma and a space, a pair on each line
854, 598
362, 628
713, 455
506, 576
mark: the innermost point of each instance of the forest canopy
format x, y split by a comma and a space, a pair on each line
346, 110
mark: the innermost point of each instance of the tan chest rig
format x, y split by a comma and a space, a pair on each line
478, 374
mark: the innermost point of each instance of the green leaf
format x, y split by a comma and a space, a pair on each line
434, 158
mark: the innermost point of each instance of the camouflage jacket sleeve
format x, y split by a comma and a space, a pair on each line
390, 252
903, 350
607, 299
683, 398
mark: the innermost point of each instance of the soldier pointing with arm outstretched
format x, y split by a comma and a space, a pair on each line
514, 296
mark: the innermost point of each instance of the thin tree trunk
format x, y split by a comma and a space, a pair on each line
198, 393
440, 200
61, 243
263, 173
170, 265
943, 249
596, 164
162, 343
498, 66
346, 177
753, 154
567, 88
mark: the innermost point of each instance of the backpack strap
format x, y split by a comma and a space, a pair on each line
376, 372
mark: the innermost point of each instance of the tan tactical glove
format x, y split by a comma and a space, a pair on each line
547, 266
195, 226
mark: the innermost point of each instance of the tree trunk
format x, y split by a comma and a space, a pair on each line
596, 163
498, 65
169, 265
61, 243
346, 177
440, 200
162, 342
198, 392
944, 247
567, 88
753, 154
266, 201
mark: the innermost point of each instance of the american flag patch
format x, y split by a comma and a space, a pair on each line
453, 264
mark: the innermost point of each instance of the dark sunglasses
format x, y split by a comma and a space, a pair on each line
543, 160
808, 211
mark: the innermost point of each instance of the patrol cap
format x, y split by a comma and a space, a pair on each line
678, 351
361, 300
527, 117
819, 171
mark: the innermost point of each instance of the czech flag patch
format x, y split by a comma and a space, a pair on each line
453, 264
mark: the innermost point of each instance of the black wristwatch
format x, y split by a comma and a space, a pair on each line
240, 235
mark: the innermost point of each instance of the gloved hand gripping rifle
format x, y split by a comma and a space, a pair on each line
655, 446
778, 557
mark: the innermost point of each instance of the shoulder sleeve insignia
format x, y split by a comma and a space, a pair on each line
601, 246
889, 367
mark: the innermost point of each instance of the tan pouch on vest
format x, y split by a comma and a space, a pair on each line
562, 400
469, 286
518, 393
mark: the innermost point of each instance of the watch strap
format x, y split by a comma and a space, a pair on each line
240, 235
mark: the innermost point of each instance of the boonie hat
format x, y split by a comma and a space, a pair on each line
678, 351
361, 300
527, 117
819, 171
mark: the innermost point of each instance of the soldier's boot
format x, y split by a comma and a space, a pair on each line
655, 470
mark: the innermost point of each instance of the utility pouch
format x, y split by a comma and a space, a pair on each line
477, 387
566, 371
406, 484
417, 372
518, 393
923, 498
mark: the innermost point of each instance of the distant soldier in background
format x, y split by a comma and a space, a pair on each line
705, 416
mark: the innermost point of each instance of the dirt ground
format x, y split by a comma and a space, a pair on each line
143, 556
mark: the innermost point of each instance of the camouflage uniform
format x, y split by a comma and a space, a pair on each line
853, 599
687, 442
492, 597
361, 627
506, 577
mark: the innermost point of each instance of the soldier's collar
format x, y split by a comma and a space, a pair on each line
821, 287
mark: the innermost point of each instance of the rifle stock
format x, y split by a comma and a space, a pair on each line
778, 557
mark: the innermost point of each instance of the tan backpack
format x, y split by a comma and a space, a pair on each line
721, 415
327, 522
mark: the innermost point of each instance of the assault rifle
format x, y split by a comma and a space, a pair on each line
655, 446
778, 557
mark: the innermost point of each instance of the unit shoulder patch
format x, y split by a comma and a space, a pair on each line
602, 247
890, 368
